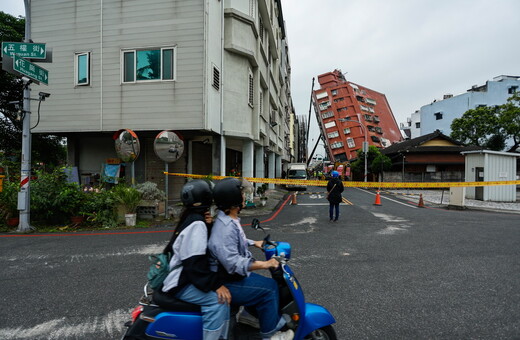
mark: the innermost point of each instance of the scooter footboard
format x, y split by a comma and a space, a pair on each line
176, 325
316, 316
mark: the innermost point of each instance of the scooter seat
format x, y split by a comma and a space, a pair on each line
169, 302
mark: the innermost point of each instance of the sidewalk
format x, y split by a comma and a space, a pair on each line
435, 196
274, 198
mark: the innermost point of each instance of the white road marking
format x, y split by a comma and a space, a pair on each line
111, 326
388, 218
390, 199
306, 220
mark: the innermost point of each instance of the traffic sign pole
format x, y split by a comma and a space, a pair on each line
24, 198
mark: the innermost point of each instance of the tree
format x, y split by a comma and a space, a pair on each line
490, 127
45, 149
509, 119
476, 126
374, 161
380, 163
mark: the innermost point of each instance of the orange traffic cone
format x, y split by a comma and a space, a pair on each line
421, 202
378, 199
293, 202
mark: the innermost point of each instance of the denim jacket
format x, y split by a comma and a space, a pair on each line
228, 246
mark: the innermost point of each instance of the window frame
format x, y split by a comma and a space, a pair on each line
161, 71
77, 55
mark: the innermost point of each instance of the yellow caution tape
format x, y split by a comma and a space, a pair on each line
319, 183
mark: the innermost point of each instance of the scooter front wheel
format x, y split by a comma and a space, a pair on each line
324, 333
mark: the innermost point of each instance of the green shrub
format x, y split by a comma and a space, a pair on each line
128, 197
150, 191
99, 208
9, 200
53, 199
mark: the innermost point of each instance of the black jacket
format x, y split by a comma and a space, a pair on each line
335, 194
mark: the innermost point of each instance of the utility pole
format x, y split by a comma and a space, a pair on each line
24, 197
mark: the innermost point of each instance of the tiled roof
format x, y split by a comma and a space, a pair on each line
414, 145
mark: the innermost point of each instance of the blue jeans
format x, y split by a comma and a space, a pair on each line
332, 207
260, 294
215, 315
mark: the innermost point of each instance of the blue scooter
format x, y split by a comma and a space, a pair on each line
158, 316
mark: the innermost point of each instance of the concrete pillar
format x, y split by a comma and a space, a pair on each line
248, 154
218, 156
189, 165
259, 160
271, 160
278, 166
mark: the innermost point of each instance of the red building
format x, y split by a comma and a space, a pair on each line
348, 113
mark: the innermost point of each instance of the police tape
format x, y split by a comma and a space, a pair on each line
321, 183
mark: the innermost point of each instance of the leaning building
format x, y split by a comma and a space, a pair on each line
348, 114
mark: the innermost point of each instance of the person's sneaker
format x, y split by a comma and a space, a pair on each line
245, 318
287, 335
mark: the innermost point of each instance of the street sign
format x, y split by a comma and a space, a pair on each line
25, 50
31, 70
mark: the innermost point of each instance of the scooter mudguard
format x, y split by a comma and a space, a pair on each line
316, 317
176, 325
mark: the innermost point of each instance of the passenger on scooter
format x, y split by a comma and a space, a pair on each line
229, 248
191, 279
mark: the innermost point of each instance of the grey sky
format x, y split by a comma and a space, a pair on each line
414, 51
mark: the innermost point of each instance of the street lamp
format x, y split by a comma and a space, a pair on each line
365, 143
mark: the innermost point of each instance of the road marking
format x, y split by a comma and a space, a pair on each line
319, 204
388, 218
307, 220
405, 204
346, 201
111, 326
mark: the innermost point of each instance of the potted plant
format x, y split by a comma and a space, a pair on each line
129, 198
70, 201
261, 191
152, 200
9, 203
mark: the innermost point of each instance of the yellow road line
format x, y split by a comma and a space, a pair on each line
347, 202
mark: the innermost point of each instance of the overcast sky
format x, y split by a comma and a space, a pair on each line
413, 51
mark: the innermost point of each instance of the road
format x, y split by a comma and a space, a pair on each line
393, 271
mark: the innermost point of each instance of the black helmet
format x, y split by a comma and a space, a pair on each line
196, 194
228, 193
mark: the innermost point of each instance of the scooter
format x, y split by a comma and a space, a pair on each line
159, 316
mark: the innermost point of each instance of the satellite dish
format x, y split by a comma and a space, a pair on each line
127, 145
168, 146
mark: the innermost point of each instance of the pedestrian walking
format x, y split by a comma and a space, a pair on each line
334, 190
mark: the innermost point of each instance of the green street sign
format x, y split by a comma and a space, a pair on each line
25, 50
31, 70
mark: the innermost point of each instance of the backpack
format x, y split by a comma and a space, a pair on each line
160, 263
159, 270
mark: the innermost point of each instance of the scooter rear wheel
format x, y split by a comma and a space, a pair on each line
324, 333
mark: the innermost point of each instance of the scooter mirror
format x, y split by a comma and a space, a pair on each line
255, 224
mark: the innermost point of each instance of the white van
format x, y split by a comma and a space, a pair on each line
296, 171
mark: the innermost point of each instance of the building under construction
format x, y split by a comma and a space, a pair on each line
349, 114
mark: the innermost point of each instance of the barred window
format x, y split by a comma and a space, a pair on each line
250, 94
216, 78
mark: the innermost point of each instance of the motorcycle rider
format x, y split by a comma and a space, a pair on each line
228, 246
191, 279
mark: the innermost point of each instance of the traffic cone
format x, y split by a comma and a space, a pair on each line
293, 202
421, 202
378, 199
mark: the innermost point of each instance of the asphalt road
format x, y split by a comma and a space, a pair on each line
393, 271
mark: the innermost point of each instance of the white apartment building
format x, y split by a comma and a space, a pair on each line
215, 72
439, 114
